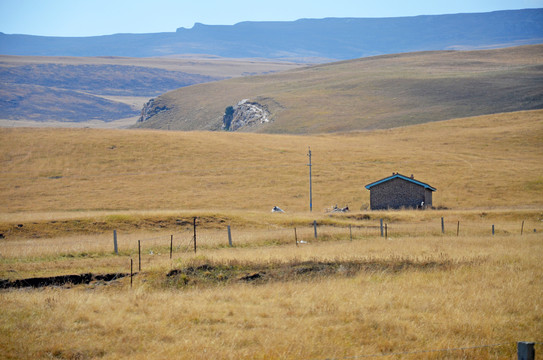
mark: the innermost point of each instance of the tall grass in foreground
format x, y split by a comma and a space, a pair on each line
492, 295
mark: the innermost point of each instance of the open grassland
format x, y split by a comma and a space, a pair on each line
419, 293
368, 93
488, 161
324, 299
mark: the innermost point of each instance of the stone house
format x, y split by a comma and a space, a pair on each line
399, 191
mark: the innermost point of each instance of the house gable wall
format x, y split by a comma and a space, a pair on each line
397, 193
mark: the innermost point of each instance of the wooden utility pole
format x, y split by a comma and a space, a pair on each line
310, 183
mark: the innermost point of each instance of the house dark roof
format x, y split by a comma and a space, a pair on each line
400, 176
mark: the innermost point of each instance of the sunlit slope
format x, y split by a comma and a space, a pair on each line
476, 162
370, 93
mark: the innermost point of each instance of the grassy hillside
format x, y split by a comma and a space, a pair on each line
488, 161
369, 93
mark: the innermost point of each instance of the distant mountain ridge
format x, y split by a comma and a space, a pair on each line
325, 39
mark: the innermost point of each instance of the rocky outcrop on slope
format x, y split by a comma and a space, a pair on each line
150, 109
245, 114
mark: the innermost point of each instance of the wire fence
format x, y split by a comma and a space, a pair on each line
182, 239
325, 232
200, 239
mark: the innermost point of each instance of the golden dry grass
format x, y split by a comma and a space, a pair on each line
69, 188
488, 161
491, 294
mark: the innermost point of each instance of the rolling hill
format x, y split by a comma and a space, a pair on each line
368, 93
318, 39
488, 161
69, 89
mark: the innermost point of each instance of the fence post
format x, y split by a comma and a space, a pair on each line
442, 226
229, 236
139, 255
386, 231
525, 350
131, 272
194, 223
492, 229
458, 228
115, 242
171, 246
522, 227
315, 227
351, 232
381, 226
296, 236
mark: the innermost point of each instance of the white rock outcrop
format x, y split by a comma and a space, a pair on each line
247, 114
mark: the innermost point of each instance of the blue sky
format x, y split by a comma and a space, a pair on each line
104, 17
